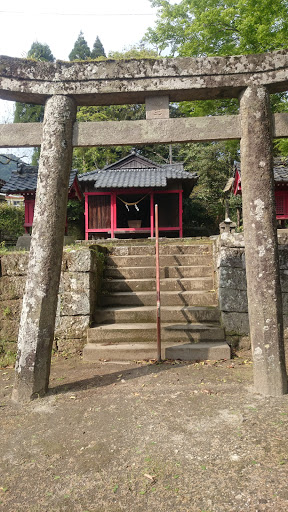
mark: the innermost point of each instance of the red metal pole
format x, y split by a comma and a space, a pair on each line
158, 286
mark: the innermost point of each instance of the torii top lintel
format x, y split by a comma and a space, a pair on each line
131, 81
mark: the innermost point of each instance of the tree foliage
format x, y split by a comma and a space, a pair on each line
11, 219
27, 112
81, 50
98, 49
39, 51
217, 27
199, 28
86, 159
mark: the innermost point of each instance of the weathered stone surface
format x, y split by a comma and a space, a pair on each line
283, 257
120, 82
9, 329
24, 242
26, 135
75, 303
244, 343
72, 327
79, 287
284, 280
12, 287
9, 319
233, 300
234, 278
110, 133
232, 240
79, 260
157, 107
37, 323
231, 257
261, 247
14, 264
235, 322
70, 346
285, 321
10, 309
76, 281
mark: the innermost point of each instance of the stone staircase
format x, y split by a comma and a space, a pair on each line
126, 321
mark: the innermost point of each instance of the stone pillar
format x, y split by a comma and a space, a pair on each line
40, 299
261, 247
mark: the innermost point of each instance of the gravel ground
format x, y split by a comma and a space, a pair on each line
144, 437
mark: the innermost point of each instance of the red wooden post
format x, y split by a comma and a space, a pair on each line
181, 213
113, 206
158, 286
86, 217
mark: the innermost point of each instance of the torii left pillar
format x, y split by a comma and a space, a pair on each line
37, 322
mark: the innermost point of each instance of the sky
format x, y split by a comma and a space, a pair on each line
119, 24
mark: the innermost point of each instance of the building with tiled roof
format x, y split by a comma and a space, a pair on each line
120, 199
23, 182
280, 170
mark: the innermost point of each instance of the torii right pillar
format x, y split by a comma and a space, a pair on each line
261, 246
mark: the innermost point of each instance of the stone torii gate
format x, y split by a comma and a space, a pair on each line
63, 86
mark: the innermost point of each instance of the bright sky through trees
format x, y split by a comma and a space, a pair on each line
58, 23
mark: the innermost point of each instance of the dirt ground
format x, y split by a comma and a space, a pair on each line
144, 437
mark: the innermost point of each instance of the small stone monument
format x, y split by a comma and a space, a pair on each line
24, 242
227, 226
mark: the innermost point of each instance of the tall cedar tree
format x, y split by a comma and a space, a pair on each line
81, 50
98, 49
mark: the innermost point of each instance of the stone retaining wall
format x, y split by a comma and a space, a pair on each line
229, 254
80, 280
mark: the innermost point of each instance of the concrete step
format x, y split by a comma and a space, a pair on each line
150, 272
199, 351
191, 298
148, 314
165, 261
138, 351
167, 284
146, 332
133, 250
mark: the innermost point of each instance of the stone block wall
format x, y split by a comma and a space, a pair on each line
80, 281
229, 259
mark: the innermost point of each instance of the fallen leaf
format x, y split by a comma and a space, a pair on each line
207, 391
151, 477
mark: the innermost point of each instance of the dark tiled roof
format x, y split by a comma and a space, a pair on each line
280, 169
119, 163
8, 162
25, 180
137, 178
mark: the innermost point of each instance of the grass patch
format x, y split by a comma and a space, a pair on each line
8, 352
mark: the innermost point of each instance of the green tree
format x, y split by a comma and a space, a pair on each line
214, 27
199, 28
86, 159
81, 50
98, 49
39, 51
28, 112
